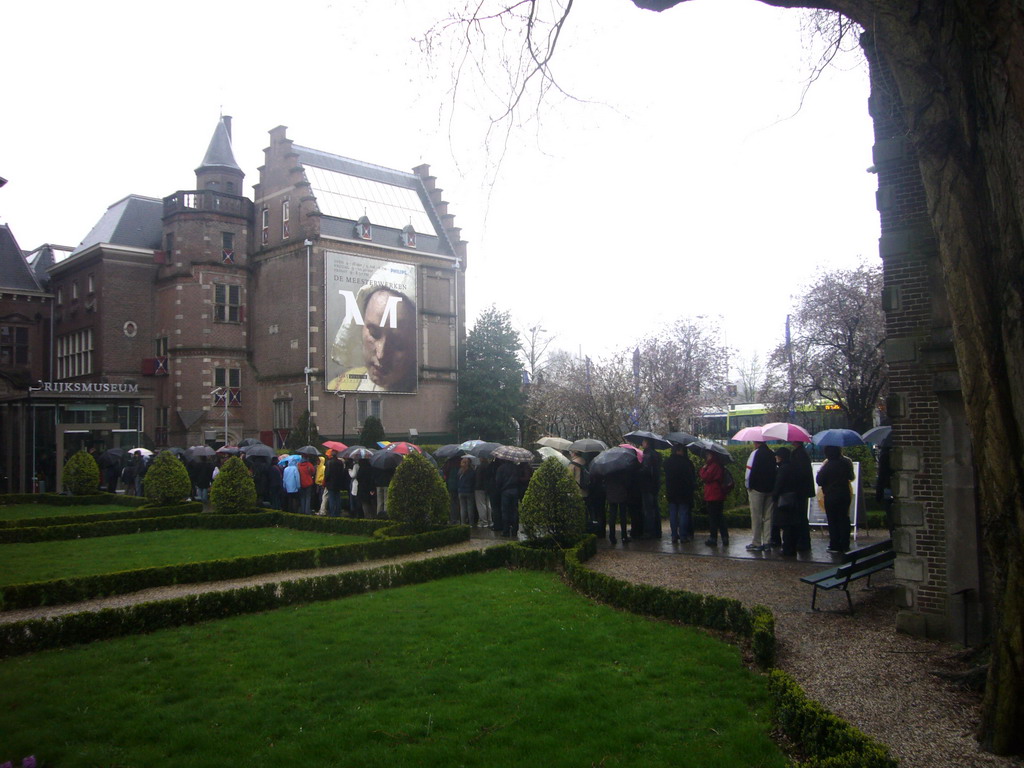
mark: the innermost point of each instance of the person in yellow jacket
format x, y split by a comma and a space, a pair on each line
321, 498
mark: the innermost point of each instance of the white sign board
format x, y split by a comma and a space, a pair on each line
815, 513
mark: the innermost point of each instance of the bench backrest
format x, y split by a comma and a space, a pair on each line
872, 549
866, 563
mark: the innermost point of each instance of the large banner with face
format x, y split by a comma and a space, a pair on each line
371, 324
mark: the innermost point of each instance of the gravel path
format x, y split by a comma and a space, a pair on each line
885, 683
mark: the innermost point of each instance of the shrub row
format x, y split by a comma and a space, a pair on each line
828, 741
677, 605
63, 500
188, 516
61, 591
40, 634
135, 512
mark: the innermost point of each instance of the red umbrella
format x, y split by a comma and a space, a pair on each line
334, 445
403, 448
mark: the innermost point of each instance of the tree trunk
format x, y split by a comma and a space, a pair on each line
959, 68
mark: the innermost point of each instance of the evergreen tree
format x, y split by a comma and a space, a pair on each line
305, 433
553, 506
167, 480
491, 397
417, 493
372, 432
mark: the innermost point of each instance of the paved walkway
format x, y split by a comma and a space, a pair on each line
738, 540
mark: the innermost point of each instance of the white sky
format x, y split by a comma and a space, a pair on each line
686, 182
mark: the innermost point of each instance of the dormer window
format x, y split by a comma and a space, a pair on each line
231, 187
408, 236
363, 229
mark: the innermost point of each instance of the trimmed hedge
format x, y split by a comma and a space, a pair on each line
829, 741
63, 500
136, 512
62, 591
719, 613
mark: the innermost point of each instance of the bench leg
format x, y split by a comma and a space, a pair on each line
849, 600
814, 598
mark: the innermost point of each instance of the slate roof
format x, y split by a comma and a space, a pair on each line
133, 221
15, 273
219, 153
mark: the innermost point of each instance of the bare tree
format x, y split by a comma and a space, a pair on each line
536, 340
835, 353
683, 368
751, 372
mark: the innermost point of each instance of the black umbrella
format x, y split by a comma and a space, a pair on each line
246, 442
447, 451
588, 445
680, 438
308, 450
200, 450
484, 450
179, 452
638, 436
111, 457
701, 447
259, 450
613, 460
386, 459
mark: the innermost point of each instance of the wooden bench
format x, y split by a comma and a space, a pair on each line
857, 564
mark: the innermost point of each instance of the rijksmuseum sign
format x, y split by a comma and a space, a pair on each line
84, 388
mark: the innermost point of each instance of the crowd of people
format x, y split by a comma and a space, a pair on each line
622, 505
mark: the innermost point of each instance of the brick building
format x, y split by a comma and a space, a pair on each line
941, 586
207, 316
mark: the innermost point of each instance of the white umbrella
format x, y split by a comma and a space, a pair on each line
141, 451
558, 443
548, 452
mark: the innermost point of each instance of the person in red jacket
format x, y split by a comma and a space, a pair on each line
307, 475
712, 473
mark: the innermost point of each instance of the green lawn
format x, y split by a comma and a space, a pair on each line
45, 560
508, 668
34, 511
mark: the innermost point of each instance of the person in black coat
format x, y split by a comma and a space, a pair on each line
680, 483
802, 463
835, 478
788, 496
650, 485
616, 489
760, 487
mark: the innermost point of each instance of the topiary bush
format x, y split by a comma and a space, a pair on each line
166, 480
81, 474
553, 507
417, 493
233, 489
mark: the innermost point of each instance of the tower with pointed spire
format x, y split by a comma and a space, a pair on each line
202, 292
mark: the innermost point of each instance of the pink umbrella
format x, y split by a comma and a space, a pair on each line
334, 445
783, 430
749, 435
637, 451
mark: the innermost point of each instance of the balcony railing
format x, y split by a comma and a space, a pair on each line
207, 201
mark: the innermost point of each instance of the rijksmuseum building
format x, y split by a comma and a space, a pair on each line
208, 316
